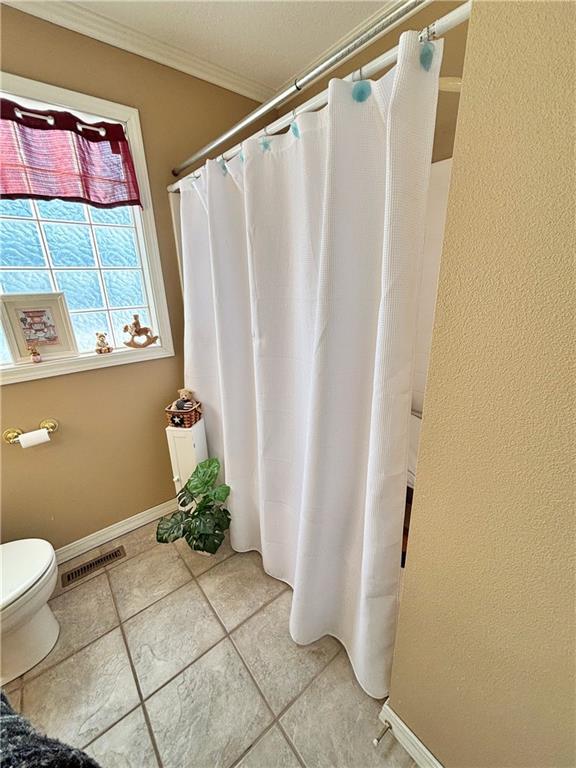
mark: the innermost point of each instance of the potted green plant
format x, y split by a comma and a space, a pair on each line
201, 518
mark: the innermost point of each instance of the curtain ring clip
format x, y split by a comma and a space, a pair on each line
430, 32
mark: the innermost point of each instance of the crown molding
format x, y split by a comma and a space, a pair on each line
86, 22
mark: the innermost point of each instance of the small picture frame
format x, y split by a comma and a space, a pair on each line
39, 320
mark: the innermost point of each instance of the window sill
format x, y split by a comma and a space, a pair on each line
87, 362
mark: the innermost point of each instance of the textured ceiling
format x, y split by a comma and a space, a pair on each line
264, 41
259, 44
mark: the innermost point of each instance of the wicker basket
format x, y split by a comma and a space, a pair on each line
184, 419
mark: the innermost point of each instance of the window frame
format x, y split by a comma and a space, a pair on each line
23, 88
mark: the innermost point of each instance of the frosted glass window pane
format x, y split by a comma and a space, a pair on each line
90, 254
81, 288
120, 215
25, 281
122, 317
5, 356
85, 327
117, 247
60, 209
70, 245
20, 244
124, 288
15, 208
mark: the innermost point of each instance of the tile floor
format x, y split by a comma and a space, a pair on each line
168, 659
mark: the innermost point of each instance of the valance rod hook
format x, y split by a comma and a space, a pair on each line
20, 113
98, 129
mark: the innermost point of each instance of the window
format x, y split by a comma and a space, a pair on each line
90, 254
104, 260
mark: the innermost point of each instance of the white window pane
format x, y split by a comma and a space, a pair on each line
69, 245
117, 247
121, 215
20, 244
86, 325
62, 210
25, 281
81, 288
5, 356
15, 208
124, 287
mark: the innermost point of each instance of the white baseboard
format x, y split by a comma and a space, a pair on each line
408, 739
96, 539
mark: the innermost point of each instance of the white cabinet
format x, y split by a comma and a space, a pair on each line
187, 449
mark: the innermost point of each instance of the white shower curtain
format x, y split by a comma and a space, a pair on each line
301, 262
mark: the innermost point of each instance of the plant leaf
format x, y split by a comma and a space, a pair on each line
203, 477
204, 505
205, 542
190, 539
192, 525
207, 524
222, 517
212, 542
220, 493
171, 528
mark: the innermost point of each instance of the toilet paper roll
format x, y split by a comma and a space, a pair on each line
38, 436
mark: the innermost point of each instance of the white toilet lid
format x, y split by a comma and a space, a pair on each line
22, 564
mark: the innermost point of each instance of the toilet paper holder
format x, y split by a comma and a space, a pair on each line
12, 434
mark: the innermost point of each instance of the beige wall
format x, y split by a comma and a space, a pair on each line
484, 661
110, 460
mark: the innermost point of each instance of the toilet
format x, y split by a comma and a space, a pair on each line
29, 629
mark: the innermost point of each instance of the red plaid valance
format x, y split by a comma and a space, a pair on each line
52, 154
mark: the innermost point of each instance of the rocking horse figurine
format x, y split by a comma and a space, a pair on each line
136, 331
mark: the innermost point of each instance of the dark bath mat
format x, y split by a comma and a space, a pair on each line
21, 746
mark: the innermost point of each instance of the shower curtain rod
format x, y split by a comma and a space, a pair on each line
438, 28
